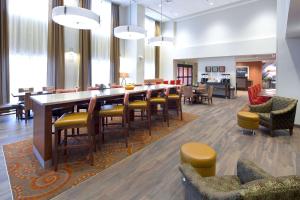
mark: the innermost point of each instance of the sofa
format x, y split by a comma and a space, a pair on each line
250, 183
277, 113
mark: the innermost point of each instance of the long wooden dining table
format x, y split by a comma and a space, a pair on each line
44, 104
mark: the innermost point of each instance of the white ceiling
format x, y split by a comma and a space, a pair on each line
176, 9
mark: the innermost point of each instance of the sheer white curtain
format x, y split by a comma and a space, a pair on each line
149, 72
101, 43
28, 26
72, 57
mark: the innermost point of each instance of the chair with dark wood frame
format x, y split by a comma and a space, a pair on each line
72, 121
143, 105
162, 101
177, 99
114, 111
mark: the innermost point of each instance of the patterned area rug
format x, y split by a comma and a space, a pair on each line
29, 181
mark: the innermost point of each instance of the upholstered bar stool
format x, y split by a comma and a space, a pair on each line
114, 111
143, 105
200, 156
162, 101
71, 121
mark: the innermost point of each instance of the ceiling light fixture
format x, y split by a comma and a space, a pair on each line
130, 32
161, 40
210, 2
75, 17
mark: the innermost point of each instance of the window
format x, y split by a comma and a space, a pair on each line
101, 43
149, 72
28, 33
185, 74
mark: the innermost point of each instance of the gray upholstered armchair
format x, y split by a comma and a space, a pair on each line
250, 183
277, 113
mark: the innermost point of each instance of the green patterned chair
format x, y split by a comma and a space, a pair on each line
250, 183
277, 113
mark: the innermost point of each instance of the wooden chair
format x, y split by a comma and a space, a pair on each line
71, 121
163, 102
202, 88
208, 96
177, 99
58, 112
143, 105
48, 89
188, 94
114, 111
26, 107
20, 90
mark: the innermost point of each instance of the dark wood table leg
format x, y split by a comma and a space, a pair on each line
42, 134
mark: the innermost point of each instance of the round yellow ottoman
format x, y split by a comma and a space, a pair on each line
201, 156
248, 120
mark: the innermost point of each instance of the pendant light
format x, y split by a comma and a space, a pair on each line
130, 32
75, 17
160, 40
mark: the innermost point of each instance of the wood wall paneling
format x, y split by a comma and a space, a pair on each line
255, 71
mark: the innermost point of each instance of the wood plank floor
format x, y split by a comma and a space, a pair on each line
153, 172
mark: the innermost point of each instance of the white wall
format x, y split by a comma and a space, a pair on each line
228, 62
242, 30
132, 52
288, 59
166, 69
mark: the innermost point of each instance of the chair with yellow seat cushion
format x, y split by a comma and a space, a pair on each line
71, 121
163, 102
113, 111
200, 156
143, 105
176, 98
248, 120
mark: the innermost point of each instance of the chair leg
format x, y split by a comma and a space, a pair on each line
177, 108
272, 133
128, 119
149, 120
180, 107
164, 113
55, 151
291, 131
26, 117
100, 128
65, 141
167, 113
91, 146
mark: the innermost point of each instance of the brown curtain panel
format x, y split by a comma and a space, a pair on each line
56, 50
4, 53
157, 50
115, 46
85, 66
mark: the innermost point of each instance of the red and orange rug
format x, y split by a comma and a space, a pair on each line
29, 181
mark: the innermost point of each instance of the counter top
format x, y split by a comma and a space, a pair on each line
53, 99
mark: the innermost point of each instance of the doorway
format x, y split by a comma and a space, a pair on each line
185, 74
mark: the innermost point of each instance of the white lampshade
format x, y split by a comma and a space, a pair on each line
160, 41
75, 17
130, 32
